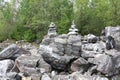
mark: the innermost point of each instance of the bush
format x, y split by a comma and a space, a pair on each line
28, 35
2, 38
23, 33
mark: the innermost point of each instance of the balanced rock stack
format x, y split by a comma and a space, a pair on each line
76, 57
62, 49
52, 30
73, 30
51, 34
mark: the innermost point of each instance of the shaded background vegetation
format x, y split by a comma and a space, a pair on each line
30, 20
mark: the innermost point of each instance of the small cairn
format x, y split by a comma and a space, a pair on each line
52, 30
73, 30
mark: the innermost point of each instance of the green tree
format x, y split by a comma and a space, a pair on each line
6, 21
36, 15
30, 21
92, 15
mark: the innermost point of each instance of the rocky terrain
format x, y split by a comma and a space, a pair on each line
63, 57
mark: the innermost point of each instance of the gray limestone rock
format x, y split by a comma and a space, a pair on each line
43, 65
78, 76
7, 66
62, 41
96, 47
29, 61
117, 77
89, 50
45, 77
13, 76
88, 54
91, 38
32, 64
57, 62
104, 64
36, 76
53, 74
80, 65
115, 56
74, 39
110, 43
13, 52
9, 51
115, 33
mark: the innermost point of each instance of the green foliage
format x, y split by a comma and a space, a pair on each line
92, 16
18, 33
87, 17
6, 21
31, 20
23, 33
29, 35
37, 15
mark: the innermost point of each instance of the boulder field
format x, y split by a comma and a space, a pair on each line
64, 57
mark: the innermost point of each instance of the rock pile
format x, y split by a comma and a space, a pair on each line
62, 49
18, 63
64, 57
76, 57
8, 69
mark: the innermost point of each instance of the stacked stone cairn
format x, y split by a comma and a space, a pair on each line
65, 57
73, 30
76, 57
52, 30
